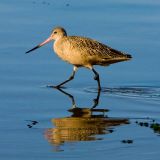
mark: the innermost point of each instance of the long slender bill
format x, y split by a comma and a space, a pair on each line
40, 45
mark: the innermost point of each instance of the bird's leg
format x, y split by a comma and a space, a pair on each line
97, 78
69, 79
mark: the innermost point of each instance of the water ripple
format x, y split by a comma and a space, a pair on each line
148, 92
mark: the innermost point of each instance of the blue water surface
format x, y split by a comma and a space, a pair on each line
130, 89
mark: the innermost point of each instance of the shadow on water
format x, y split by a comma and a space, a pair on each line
84, 124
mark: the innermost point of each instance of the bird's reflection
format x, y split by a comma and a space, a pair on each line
84, 124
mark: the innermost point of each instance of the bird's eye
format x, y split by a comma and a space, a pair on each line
55, 32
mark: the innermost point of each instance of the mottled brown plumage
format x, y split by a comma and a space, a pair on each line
83, 52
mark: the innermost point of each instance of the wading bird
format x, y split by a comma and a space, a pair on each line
82, 52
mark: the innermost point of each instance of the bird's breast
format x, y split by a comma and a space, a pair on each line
67, 52
59, 49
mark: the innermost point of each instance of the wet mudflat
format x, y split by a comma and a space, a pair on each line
77, 122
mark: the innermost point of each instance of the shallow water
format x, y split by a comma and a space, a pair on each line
35, 121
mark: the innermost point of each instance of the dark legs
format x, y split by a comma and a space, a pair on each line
69, 79
97, 78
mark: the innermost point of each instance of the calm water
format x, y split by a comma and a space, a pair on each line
34, 120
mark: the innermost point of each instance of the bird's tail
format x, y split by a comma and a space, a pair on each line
128, 56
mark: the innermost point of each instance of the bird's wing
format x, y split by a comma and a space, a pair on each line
94, 48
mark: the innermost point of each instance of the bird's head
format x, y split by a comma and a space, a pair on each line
57, 32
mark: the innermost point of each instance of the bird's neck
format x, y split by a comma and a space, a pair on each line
59, 38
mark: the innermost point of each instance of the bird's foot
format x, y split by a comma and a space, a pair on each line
57, 87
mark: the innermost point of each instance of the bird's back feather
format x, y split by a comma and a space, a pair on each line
89, 51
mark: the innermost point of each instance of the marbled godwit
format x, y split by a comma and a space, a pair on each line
82, 52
